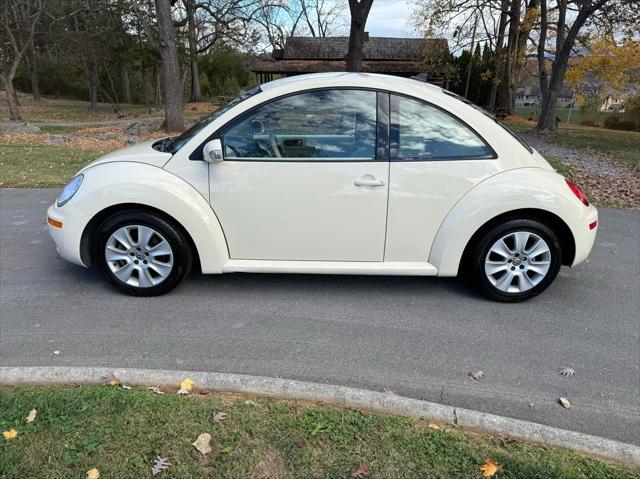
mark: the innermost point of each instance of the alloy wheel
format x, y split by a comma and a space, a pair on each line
517, 262
139, 256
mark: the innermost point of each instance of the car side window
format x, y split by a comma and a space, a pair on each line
423, 132
323, 125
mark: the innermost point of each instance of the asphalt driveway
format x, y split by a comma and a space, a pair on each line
418, 337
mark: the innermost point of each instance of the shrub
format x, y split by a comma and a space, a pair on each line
618, 122
589, 122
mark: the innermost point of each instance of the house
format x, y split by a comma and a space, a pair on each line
531, 96
393, 56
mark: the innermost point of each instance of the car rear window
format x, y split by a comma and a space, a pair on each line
493, 117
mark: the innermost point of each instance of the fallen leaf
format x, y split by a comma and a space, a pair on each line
186, 384
302, 443
93, 474
433, 425
229, 449
124, 386
476, 375
159, 464
10, 434
361, 472
202, 443
249, 402
566, 371
155, 389
565, 403
219, 417
56, 352
489, 468
111, 379
32, 415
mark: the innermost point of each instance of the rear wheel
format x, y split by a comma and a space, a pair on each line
142, 254
516, 260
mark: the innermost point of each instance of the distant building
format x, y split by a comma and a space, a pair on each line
394, 56
531, 96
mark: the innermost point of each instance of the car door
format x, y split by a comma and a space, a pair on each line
435, 159
300, 179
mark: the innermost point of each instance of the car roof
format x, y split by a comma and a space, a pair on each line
363, 80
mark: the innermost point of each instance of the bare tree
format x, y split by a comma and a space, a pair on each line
170, 67
281, 19
19, 19
359, 13
551, 82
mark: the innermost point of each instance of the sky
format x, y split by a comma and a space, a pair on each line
390, 18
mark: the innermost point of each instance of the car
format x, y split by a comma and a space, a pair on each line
335, 173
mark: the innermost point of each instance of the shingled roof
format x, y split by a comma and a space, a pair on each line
396, 56
376, 48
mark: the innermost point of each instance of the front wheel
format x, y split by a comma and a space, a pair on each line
142, 254
516, 260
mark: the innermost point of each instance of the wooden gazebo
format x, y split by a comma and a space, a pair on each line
393, 56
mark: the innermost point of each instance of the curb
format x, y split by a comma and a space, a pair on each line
337, 395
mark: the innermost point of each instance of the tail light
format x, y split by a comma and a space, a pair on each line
578, 192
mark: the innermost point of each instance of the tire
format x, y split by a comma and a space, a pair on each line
521, 271
141, 253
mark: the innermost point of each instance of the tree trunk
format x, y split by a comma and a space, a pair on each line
505, 90
174, 120
547, 118
551, 89
196, 92
359, 13
157, 93
14, 108
33, 73
498, 58
93, 85
146, 86
124, 83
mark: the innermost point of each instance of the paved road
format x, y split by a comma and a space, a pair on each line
416, 336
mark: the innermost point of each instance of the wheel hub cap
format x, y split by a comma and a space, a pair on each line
139, 256
517, 262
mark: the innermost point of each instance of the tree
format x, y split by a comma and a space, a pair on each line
609, 64
170, 68
554, 20
19, 19
359, 13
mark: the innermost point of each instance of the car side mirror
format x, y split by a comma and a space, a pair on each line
212, 151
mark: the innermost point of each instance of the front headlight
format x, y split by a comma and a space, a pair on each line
70, 190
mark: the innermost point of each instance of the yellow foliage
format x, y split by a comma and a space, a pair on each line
607, 61
10, 434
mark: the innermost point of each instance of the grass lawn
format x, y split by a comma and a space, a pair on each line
577, 115
51, 110
41, 166
621, 146
120, 432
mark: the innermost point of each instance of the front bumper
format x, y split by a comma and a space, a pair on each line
68, 236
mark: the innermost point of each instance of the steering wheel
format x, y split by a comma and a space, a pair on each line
274, 145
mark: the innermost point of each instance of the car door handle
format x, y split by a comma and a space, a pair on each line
368, 181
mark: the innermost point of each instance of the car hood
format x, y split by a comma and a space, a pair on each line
140, 153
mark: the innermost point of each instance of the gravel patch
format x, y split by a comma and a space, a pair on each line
607, 182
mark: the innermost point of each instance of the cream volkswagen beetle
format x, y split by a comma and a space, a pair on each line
339, 173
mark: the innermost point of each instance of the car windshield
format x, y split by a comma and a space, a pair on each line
493, 117
172, 145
